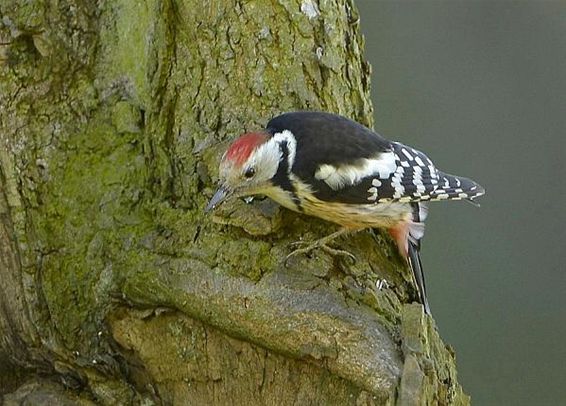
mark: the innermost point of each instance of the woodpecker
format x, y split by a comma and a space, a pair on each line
327, 166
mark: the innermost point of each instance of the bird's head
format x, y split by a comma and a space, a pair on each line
247, 167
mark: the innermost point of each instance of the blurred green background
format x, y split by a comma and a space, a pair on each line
480, 86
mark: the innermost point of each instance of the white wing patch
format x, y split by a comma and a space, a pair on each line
338, 177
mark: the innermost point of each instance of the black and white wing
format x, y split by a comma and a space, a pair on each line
416, 179
402, 174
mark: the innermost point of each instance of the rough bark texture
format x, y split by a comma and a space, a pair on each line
115, 288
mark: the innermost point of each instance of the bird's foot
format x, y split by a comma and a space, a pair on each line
321, 244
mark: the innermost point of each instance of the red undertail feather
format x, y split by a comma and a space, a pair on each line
400, 234
408, 245
241, 149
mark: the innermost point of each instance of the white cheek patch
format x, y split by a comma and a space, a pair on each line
338, 177
266, 158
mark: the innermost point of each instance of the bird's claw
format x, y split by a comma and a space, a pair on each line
317, 244
297, 244
382, 283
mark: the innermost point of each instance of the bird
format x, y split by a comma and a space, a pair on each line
328, 166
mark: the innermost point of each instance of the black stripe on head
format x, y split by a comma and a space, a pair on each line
281, 177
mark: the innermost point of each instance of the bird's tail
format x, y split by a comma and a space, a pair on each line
414, 237
414, 247
408, 237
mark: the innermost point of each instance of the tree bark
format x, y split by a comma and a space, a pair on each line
115, 287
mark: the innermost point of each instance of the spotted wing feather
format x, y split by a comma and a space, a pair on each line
415, 179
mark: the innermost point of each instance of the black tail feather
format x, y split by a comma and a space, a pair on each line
418, 274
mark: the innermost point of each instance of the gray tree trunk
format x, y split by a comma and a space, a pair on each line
115, 287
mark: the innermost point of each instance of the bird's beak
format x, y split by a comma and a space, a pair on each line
221, 194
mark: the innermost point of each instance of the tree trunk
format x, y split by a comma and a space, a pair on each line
115, 287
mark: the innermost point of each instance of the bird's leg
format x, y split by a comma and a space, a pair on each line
322, 244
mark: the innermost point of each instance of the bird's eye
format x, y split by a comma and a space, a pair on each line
250, 173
